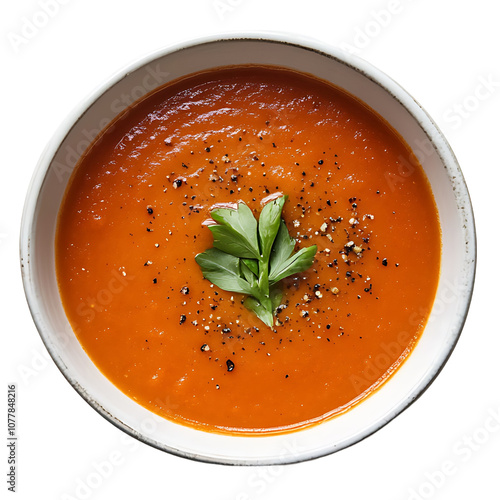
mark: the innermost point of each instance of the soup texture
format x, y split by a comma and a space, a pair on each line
131, 224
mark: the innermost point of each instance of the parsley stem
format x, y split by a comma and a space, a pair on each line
265, 299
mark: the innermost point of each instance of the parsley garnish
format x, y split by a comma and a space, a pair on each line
251, 257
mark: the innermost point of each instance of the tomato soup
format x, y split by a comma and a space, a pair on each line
131, 224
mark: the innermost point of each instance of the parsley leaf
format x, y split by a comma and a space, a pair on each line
297, 263
235, 231
269, 224
222, 269
282, 248
263, 313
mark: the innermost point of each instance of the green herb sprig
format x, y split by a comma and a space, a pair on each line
251, 257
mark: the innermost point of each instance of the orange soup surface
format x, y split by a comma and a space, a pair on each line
130, 227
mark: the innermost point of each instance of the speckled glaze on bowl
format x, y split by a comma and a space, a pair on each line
357, 77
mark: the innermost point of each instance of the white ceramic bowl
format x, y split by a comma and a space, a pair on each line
342, 69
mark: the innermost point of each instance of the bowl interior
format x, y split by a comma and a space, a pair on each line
345, 71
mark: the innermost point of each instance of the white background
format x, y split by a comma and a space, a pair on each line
446, 54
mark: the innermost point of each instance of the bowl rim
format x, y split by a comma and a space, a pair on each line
302, 42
